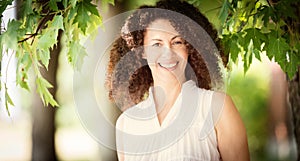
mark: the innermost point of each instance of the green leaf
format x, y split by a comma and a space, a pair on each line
57, 22
234, 3
257, 54
48, 40
247, 59
42, 90
9, 39
224, 11
76, 54
23, 65
90, 7
293, 61
292, 65
73, 3
65, 3
49, 37
84, 9
226, 43
8, 100
53, 5
268, 14
72, 13
231, 43
31, 21
23, 81
25, 58
278, 48
234, 48
82, 17
256, 36
26, 8
93, 27
248, 56
271, 37
44, 56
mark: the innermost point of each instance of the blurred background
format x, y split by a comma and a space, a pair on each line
260, 96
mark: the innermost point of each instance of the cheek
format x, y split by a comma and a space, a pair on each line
183, 55
151, 54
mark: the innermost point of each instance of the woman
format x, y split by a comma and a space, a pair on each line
161, 74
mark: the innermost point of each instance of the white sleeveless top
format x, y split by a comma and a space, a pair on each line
186, 134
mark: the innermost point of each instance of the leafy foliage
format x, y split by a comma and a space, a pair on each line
36, 33
84, 9
252, 27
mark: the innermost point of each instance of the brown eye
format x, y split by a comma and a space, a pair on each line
179, 42
156, 45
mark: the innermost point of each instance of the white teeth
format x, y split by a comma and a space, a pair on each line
168, 65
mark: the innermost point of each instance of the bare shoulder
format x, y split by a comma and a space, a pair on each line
226, 107
229, 115
231, 131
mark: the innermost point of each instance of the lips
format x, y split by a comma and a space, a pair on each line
169, 66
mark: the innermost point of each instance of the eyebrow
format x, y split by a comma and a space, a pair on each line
175, 37
157, 39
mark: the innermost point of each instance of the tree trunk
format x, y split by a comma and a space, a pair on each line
43, 130
294, 97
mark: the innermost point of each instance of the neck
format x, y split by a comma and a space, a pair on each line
167, 88
165, 95
168, 85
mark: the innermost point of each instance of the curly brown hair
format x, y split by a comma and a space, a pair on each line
128, 75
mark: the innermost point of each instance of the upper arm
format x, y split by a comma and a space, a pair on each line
231, 133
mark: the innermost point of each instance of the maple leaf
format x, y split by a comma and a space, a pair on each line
42, 89
84, 9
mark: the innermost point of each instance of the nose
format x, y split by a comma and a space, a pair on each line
167, 52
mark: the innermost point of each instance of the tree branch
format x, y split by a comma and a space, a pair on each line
42, 22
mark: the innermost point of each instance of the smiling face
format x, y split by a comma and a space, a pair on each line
165, 51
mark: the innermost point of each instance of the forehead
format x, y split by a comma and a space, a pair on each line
161, 26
